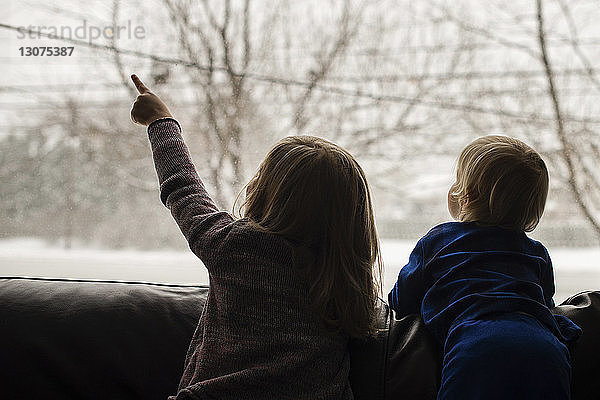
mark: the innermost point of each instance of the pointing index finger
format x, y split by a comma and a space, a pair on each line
139, 85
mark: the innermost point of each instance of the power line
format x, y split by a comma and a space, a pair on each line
467, 75
65, 88
400, 51
305, 84
449, 106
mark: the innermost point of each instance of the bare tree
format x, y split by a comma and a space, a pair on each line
568, 151
540, 92
402, 85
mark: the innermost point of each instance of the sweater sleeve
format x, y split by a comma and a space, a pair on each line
407, 294
184, 194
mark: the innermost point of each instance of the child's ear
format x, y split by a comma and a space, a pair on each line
466, 200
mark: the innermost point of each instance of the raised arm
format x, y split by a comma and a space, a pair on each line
181, 189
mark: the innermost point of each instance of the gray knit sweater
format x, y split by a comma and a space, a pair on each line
257, 337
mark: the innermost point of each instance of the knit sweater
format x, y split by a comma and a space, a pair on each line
257, 337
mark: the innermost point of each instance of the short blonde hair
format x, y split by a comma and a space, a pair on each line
500, 181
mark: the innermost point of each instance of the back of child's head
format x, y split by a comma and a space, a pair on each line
500, 181
314, 193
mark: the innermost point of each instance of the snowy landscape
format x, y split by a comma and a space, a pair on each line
576, 269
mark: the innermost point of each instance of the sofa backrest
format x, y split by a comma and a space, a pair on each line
116, 340
95, 340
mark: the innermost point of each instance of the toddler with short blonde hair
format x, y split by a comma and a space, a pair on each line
484, 289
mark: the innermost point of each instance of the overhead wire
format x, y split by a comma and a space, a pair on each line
326, 88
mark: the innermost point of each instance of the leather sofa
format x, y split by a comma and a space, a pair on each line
81, 339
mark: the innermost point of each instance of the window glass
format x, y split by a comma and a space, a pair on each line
402, 85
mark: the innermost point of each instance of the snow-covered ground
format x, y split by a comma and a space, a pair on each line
576, 269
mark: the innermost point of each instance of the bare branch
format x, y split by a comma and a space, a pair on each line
247, 47
573, 40
345, 34
567, 149
117, 56
480, 31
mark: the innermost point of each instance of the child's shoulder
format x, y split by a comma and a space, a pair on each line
249, 238
474, 235
537, 248
468, 233
444, 233
450, 229
455, 228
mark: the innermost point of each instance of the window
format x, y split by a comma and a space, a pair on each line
401, 85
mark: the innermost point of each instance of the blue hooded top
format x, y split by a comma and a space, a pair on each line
462, 270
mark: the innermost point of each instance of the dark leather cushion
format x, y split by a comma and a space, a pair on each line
84, 340
584, 310
402, 362
105, 340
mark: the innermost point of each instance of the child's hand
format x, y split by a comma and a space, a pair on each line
147, 107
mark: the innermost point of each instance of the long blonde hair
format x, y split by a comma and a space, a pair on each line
314, 193
500, 181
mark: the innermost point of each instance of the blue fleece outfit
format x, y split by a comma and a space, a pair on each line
485, 293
